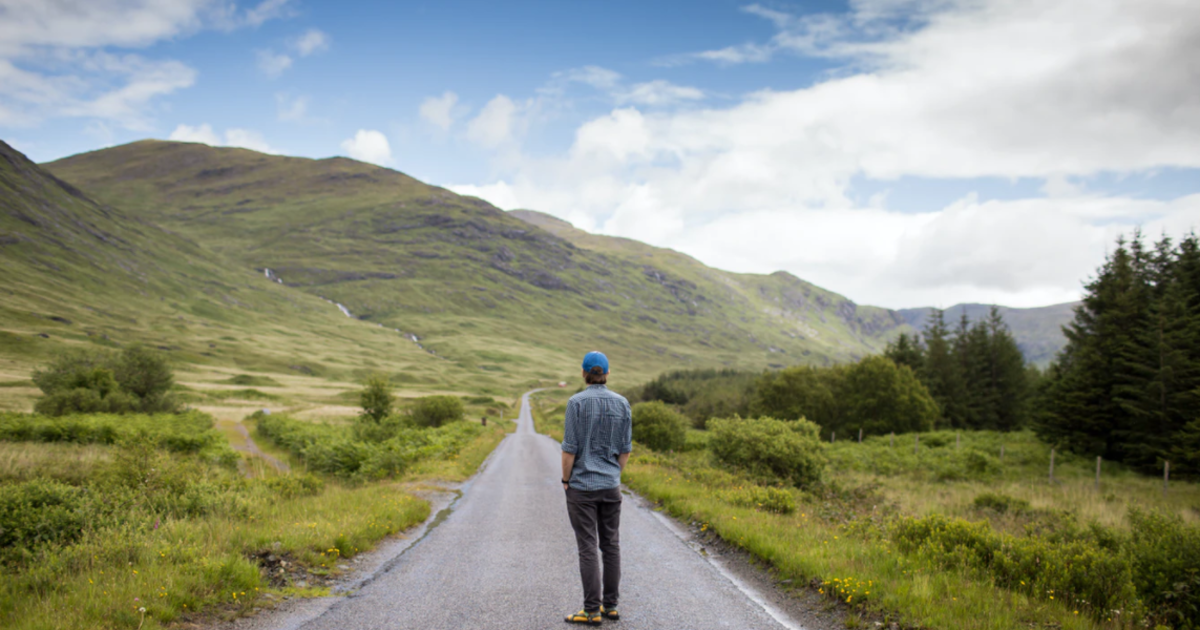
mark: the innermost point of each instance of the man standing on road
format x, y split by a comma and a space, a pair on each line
597, 440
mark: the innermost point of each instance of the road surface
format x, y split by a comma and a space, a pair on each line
505, 558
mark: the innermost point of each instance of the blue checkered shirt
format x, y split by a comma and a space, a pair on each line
599, 427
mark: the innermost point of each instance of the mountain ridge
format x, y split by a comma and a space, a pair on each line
477, 285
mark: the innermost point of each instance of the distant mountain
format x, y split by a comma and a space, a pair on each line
1038, 330
486, 289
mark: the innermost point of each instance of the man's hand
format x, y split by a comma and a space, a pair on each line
568, 465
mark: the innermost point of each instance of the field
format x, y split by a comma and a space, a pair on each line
949, 535
145, 521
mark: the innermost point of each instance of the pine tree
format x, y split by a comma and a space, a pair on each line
1008, 390
905, 350
940, 371
971, 352
1082, 411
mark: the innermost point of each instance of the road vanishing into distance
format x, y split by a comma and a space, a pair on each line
505, 558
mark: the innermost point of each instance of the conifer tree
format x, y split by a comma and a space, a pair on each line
940, 371
1009, 378
905, 350
1082, 410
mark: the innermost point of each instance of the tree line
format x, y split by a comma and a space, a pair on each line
976, 371
1127, 385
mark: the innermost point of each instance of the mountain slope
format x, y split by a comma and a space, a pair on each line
479, 286
80, 273
1038, 330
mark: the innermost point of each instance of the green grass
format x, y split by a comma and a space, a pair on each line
802, 546
847, 534
185, 561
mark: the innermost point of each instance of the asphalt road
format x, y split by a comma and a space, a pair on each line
505, 558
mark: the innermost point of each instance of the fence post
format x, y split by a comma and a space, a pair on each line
1098, 473
832, 435
892, 441
916, 443
1166, 476
860, 436
1051, 465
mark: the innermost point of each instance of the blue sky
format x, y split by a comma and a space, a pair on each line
902, 152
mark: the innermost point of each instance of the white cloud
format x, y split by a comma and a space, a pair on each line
234, 137
310, 42
55, 62
595, 76
495, 123
272, 63
369, 145
658, 92
439, 111
768, 182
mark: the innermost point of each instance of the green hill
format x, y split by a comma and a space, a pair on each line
78, 273
483, 288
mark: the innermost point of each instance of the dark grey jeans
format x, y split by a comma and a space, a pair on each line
596, 519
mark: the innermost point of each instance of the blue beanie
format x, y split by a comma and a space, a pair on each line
594, 358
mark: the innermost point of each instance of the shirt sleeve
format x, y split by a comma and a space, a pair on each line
570, 443
627, 425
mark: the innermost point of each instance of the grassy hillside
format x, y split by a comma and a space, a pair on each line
478, 286
1038, 330
81, 273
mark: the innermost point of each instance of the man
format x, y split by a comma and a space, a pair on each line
597, 440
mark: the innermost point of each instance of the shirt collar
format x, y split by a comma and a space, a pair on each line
597, 386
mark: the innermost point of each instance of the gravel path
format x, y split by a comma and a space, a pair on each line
505, 558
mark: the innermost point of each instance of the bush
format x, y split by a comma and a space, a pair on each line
334, 450
41, 512
1077, 570
1166, 566
435, 411
136, 380
771, 448
775, 500
1000, 503
659, 427
376, 398
189, 432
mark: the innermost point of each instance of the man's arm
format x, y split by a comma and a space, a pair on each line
622, 459
570, 443
568, 464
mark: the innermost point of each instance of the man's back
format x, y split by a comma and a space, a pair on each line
598, 429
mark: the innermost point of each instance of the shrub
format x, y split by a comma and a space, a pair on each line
376, 398
1166, 566
1000, 503
40, 512
188, 432
435, 411
701, 394
1078, 571
775, 500
136, 380
771, 448
659, 427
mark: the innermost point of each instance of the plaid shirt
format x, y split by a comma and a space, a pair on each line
599, 427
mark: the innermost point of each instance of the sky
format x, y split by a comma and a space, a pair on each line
900, 152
